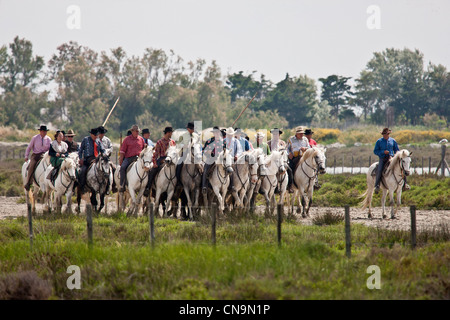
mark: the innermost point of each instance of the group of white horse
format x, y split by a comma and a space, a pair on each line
253, 173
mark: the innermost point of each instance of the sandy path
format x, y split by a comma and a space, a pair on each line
9, 208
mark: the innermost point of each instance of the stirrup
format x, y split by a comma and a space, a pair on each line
377, 189
204, 190
406, 187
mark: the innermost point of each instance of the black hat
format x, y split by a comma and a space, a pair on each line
308, 131
43, 128
102, 130
94, 131
224, 133
168, 129
63, 132
129, 133
215, 129
190, 125
275, 129
145, 131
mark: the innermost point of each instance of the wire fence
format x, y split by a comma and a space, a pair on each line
236, 228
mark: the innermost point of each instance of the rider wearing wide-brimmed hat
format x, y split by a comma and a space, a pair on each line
159, 154
39, 145
296, 145
261, 144
89, 150
276, 144
131, 147
146, 135
71, 144
211, 150
385, 148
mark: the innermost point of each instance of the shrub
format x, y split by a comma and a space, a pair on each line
24, 285
328, 218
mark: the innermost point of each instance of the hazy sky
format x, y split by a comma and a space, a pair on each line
316, 38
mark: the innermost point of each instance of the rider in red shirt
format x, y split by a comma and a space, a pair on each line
308, 134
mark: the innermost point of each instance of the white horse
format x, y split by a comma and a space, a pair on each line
137, 177
166, 179
219, 179
245, 174
255, 186
310, 165
97, 180
277, 177
38, 182
191, 174
391, 181
63, 184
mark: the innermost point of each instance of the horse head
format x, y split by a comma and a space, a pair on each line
146, 156
406, 161
69, 166
103, 165
319, 157
173, 154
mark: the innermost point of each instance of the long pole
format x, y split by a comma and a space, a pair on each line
111, 111
348, 243
244, 110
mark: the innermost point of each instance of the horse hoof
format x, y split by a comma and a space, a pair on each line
303, 215
393, 218
384, 216
369, 216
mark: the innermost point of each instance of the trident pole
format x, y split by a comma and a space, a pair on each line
244, 110
111, 111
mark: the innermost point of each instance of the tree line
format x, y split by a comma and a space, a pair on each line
77, 87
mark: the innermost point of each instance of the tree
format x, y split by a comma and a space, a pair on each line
437, 82
245, 87
397, 76
365, 94
294, 98
336, 91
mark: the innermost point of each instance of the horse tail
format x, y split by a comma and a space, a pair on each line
367, 198
30, 196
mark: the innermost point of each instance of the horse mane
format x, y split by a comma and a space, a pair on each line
310, 153
145, 150
399, 155
68, 162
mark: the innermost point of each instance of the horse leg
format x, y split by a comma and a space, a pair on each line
69, 201
78, 208
189, 201
133, 201
399, 200
391, 202
383, 202
102, 202
304, 206
220, 199
94, 201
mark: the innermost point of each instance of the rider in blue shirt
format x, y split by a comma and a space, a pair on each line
385, 148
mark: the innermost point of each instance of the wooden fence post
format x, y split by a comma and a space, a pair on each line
348, 244
334, 169
150, 206
353, 160
413, 227
343, 163
13, 153
30, 225
279, 221
89, 223
213, 223
422, 166
429, 165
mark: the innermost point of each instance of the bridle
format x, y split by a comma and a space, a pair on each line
71, 179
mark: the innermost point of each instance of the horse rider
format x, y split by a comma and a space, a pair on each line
89, 150
39, 145
385, 148
240, 136
276, 144
72, 145
308, 135
58, 152
312, 143
296, 146
213, 147
146, 136
187, 137
234, 147
261, 144
108, 147
131, 147
159, 154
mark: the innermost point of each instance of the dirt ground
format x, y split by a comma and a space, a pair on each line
425, 219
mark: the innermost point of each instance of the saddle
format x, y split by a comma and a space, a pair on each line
386, 165
129, 166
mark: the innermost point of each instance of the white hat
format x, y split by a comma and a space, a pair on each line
230, 131
260, 134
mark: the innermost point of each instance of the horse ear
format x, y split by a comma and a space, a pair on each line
246, 158
410, 154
